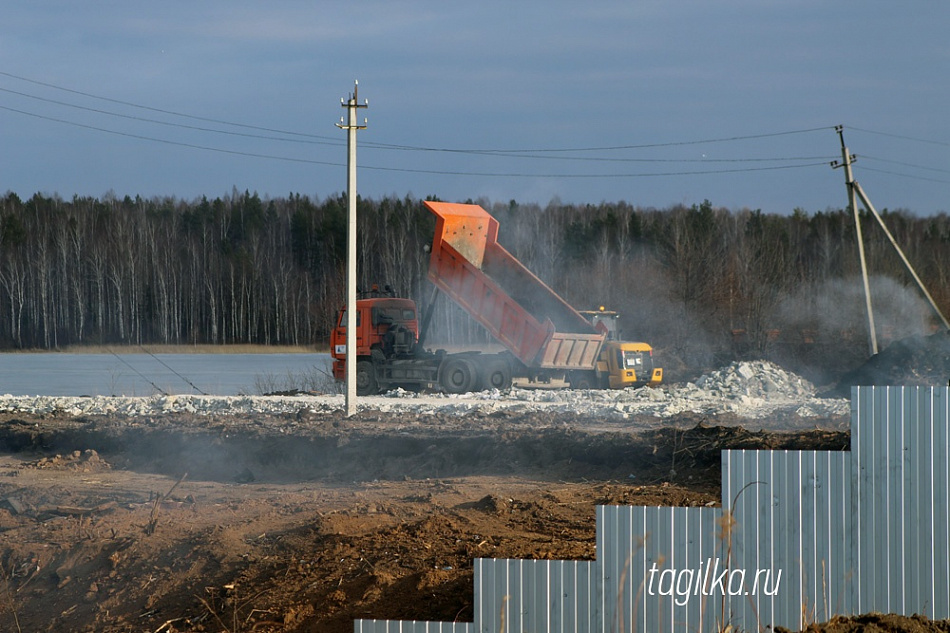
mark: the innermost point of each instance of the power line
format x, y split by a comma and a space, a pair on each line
903, 164
912, 176
536, 153
608, 148
388, 146
509, 154
404, 169
166, 123
193, 385
168, 142
522, 154
532, 153
140, 374
160, 110
623, 175
902, 137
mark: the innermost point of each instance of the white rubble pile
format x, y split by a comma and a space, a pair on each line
746, 389
749, 389
756, 379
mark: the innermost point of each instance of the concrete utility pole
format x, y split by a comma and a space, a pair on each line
351, 127
855, 190
846, 159
910, 269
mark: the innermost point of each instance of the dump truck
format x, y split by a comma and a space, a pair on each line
543, 336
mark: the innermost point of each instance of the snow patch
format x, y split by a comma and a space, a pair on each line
749, 389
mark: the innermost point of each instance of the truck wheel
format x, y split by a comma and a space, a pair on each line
366, 379
582, 380
496, 375
458, 375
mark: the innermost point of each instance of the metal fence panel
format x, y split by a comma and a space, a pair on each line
850, 532
901, 480
790, 539
535, 595
411, 626
655, 564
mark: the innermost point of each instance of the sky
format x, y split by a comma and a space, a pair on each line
655, 103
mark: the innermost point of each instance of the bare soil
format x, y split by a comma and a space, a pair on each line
302, 523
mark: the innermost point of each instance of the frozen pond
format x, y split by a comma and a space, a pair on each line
62, 374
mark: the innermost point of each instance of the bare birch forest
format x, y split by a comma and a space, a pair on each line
702, 284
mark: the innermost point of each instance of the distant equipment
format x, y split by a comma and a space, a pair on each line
544, 336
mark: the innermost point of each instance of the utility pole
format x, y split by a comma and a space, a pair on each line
910, 269
846, 160
855, 190
351, 127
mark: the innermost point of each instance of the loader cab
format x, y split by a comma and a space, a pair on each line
606, 321
622, 363
630, 364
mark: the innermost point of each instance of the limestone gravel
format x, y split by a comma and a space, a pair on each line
750, 389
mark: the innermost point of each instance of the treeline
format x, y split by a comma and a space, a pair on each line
702, 284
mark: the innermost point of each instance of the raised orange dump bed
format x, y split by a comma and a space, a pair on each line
518, 309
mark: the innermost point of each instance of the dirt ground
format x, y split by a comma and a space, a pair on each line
302, 523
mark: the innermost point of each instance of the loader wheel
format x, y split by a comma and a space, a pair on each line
366, 384
582, 380
458, 376
496, 375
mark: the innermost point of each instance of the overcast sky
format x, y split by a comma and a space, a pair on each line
652, 102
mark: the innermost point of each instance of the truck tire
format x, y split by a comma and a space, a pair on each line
495, 374
366, 384
583, 380
458, 375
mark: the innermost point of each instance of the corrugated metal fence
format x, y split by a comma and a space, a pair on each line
536, 595
900, 477
801, 536
790, 513
411, 626
653, 562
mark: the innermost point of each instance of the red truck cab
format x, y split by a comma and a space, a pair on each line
386, 323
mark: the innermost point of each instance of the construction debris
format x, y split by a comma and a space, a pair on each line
751, 389
917, 360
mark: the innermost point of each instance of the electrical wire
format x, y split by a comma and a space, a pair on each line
619, 147
140, 374
911, 176
582, 159
169, 124
526, 153
397, 169
168, 142
533, 153
166, 365
339, 143
579, 176
160, 110
902, 137
391, 146
903, 164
